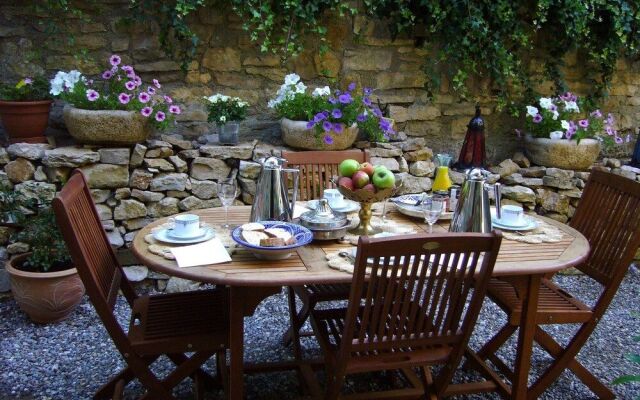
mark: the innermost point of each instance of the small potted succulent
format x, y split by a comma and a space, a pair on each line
115, 108
226, 112
324, 119
44, 282
24, 109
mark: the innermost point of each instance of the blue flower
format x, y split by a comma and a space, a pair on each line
337, 127
351, 86
336, 113
332, 100
318, 117
327, 126
361, 117
367, 101
345, 98
367, 91
310, 124
328, 139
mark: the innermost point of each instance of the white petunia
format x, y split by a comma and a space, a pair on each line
571, 106
555, 114
556, 135
324, 91
565, 125
223, 118
533, 111
300, 87
291, 79
546, 103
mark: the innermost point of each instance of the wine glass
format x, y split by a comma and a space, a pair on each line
432, 208
227, 192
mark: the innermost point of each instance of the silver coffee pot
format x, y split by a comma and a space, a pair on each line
271, 202
473, 213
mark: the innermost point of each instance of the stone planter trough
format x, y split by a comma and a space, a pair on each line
562, 153
107, 127
296, 134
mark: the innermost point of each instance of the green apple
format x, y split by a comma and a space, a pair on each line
348, 167
383, 178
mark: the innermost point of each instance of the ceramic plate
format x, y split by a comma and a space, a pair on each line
348, 207
531, 224
164, 236
201, 232
416, 211
303, 236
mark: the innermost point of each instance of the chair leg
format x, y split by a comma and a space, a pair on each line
297, 319
553, 348
108, 390
334, 386
494, 344
222, 372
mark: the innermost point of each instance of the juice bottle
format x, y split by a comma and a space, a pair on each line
442, 181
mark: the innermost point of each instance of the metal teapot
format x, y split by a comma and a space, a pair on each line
473, 213
271, 202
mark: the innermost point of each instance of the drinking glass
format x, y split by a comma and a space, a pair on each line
432, 208
227, 192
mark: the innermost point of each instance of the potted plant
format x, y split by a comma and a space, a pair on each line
226, 112
562, 133
116, 108
24, 109
322, 119
44, 283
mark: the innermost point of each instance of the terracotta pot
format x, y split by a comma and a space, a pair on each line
45, 296
25, 121
107, 127
562, 153
295, 134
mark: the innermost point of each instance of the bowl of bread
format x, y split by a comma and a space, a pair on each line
271, 240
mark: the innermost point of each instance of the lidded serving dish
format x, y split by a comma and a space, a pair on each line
325, 223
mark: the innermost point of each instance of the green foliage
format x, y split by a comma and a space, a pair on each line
371, 128
13, 205
631, 378
223, 109
300, 107
27, 89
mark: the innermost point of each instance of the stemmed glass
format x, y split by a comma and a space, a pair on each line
227, 192
432, 208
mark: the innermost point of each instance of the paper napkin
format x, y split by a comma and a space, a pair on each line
298, 210
209, 252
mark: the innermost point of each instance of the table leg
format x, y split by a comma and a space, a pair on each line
529, 294
236, 343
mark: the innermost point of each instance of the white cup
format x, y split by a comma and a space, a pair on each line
512, 215
334, 198
185, 225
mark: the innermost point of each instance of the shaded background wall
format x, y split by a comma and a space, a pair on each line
361, 50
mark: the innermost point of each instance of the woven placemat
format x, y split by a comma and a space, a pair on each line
543, 233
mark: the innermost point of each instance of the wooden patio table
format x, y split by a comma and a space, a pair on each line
251, 280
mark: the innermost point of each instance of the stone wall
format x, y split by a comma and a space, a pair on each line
360, 50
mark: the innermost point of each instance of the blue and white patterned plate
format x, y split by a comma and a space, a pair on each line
303, 236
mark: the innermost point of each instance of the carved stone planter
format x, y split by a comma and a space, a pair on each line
561, 153
107, 127
45, 296
295, 134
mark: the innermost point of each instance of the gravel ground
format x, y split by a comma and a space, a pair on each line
71, 359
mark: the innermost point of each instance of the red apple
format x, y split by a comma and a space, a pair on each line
368, 168
360, 179
346, 183
369, 187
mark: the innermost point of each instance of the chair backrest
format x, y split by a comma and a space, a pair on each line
318, 167
608, 215
89, 247
423, 291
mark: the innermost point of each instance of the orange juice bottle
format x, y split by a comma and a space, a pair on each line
442, 181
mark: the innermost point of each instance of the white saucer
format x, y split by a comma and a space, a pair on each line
525, 222
417, 212
164, 236
348, 207
201, 232
529, 225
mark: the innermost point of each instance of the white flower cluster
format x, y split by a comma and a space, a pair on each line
289, 88
223, 99
64, 81
324, 91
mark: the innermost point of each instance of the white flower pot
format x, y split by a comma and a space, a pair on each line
562, 153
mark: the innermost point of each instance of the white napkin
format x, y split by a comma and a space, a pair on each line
209, 252
298, 210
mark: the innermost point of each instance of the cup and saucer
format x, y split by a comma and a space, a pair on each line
336, 201
184, 229
513, 219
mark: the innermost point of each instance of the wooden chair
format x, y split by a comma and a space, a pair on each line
316, 170
420, 304
608, 215
171, 324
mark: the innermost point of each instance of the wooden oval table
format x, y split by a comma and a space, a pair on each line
251, 280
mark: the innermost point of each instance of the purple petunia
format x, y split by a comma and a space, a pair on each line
361, 118
367, 101
124, 98
537, 119
338, 127
597, 114
151, 90
168, 99
146, 111
137, 80
318, 117
345, 98
130, 85
351, 86
174, 110
92, 95
107, 74
570, 133
28, 81
328, 139
311, 124
583, 123
618, 140
367, 91
144, 97
385, 125
332, 100
377, 112
115, 60
160, 116
327, 126
336, 113
157, 84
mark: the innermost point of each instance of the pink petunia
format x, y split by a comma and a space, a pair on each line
174, 109
124, 98
28, 81
146, 111
155, 82
130, 85
160, 116
115, 60
168, 99
92, 95
144, 97
107, 74
137, 80
151, 90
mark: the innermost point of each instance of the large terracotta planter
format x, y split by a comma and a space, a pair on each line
25, 121
562, 153
295, 134
45, 296
107, 127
